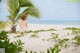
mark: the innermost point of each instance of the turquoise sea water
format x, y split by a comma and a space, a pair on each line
56, 22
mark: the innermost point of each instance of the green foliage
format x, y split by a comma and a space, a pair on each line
60, 43
25, 3
19, 45
37, 31
3, 35
54, 36
23, 33
31, 31
15, 6
42, 52
30, 52
72, 28
3, 24
26, 51
77, 38
10, 47
73, 0
56, 49
63, 42
34, 36
58, 46
35, 52
75, 31
32, 12
48, 51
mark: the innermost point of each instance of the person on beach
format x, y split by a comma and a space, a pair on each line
23, 23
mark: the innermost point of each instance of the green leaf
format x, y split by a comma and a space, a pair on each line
17, 17
26, 52
48, 51
13, 7
32, 12
25, 3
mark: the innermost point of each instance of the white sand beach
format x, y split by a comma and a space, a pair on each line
38, 45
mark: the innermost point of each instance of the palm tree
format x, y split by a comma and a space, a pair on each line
14, 7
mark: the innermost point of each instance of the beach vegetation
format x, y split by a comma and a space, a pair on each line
10, 47
54, 37
34, 32
3, 25
74, 30
15, 6
3, 35
77, 40
30, 52
59, 42
63, 42
34, 36
56, 49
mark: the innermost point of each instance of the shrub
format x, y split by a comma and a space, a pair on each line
3, 35
10, 47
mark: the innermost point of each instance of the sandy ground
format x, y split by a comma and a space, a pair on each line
37, 44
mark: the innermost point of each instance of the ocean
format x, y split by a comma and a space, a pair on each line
60, 22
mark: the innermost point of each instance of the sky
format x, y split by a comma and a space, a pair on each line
49, 10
